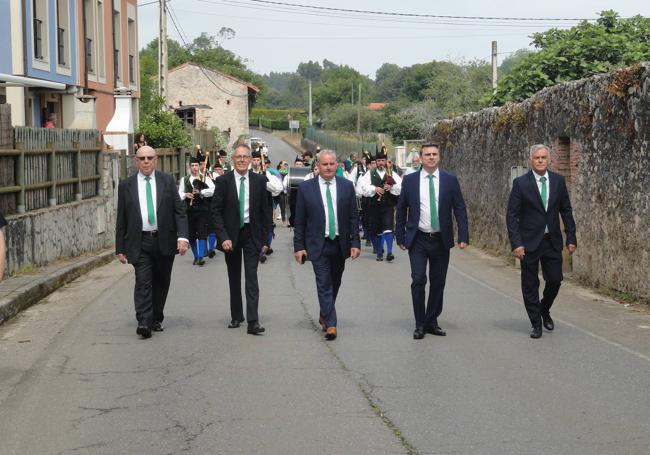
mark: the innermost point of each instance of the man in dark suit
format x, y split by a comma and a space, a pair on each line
242, 212
425, 228
537, 201
326, 229
151, 227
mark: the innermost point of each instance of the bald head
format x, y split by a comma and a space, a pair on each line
146, 150
145, 159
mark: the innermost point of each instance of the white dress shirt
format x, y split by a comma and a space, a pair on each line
323, 195
238, 177
425, 206
142, 196
548, 191
207, 192
367, 189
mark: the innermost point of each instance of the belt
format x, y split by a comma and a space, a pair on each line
430, 234
150, 233
547, 236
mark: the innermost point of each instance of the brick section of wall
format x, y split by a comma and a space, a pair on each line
607, 122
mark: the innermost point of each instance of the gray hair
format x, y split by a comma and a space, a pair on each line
537, 147
244, 146
325, 152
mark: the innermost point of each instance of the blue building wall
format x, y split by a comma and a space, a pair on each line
52, 75
5, 37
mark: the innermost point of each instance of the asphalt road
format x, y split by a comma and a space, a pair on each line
75, 378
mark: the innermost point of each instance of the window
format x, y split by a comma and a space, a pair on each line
39, 26
117, 40
89, 38
100, 39
131, 30
62, 32
187, 115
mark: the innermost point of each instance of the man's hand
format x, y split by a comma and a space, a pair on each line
298, 255
402, 247
121, 257
355, 252
379, 190
387, 187
227, 246
189, 195
519, 252
264, 249
572, 248
182, 246
462, 245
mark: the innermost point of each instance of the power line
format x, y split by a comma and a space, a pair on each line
386, 13
203, 70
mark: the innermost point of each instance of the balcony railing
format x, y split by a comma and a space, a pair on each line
116, 65
90, 67
131, 69
38, 38
60, 40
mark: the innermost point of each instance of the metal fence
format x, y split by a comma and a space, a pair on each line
47, 167
340, 145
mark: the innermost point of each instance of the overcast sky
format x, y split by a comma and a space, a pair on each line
274, 37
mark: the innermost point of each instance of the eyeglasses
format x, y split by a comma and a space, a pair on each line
146, 158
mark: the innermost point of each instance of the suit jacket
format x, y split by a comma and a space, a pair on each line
170, 216
309, 223
526, 218
450, 199
225, 209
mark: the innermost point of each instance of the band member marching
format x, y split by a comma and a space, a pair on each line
382, 186
194, 189
274, 188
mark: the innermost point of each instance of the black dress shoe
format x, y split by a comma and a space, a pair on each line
435, 330
418, 333
263, 258
254, 328
211, 254
548, 323
380, 258
390, 257
234, 324
200, 262
157, 327
143, 331
269, 251
536, 332
195, 261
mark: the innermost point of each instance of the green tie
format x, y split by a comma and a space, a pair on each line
432, 203
151, 214
242, 201
330, 213
544, 201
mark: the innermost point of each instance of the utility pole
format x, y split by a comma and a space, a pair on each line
494, 66
310, 117
359, 112
162, 54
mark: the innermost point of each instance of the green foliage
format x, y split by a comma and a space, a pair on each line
277, 115
343, 117
164, 129
575, 53
205, 50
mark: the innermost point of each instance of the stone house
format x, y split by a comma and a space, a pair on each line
205, 98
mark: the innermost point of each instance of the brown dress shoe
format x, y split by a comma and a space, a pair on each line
330, 334
321, 321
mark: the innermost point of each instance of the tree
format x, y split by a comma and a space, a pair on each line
311, 71
164, 129
388, 82
575, 53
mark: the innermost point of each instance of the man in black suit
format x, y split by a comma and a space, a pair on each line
425, 228
242, 213
151, 227
326, 230
537, 201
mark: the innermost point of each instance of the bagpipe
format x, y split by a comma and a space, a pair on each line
199, 183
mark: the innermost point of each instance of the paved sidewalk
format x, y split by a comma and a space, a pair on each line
20, 292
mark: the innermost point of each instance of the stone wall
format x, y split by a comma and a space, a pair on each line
599, 129
41, 236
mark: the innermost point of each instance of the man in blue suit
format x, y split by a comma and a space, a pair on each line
537, 201
326, 229
424, 227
